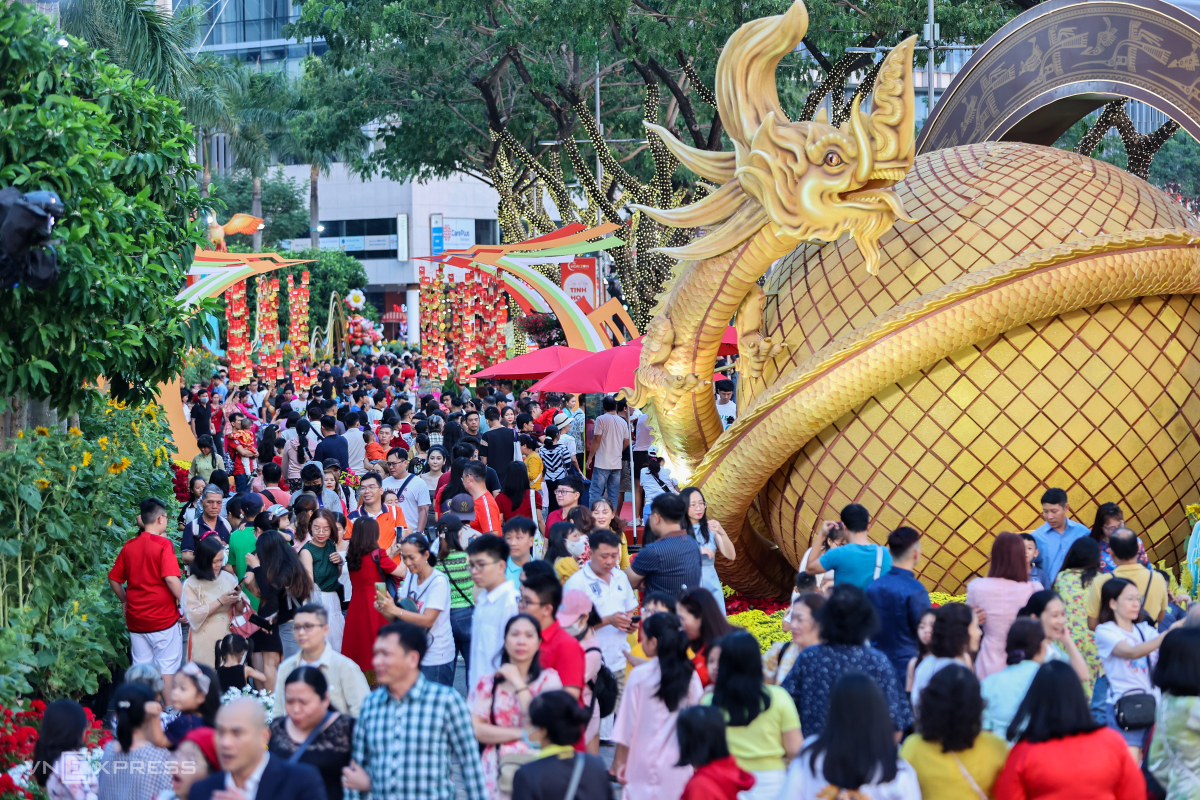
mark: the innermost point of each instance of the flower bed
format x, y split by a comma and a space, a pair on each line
19, 734
764, 617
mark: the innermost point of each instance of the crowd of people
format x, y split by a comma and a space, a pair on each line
354, 594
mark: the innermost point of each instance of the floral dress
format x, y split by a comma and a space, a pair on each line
1070, 588
502, 708
1107, 564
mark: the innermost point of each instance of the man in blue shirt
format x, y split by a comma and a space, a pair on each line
858, 561
332, 445
1058, 532
901, 601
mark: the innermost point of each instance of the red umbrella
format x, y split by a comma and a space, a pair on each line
607, 371
728, 342
537, 364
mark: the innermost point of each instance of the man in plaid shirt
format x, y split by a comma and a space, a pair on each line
408, 728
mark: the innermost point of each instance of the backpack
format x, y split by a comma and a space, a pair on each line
604, 687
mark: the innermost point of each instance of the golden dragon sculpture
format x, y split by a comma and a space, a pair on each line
787, 188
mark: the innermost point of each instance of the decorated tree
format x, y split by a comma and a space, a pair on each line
117, 154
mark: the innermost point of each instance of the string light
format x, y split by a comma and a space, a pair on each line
1140, 148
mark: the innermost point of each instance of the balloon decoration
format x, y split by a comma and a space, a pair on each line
239, 340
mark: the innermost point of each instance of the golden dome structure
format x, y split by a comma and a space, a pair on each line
1002, 318
1102, 401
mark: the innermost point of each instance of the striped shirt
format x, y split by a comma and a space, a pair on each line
555, 459
454, 565
407, 745
669, 565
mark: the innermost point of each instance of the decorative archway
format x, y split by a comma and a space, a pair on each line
1059, 61
211, 274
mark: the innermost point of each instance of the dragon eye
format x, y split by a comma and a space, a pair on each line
832, 159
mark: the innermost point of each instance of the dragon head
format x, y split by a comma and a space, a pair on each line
811, 180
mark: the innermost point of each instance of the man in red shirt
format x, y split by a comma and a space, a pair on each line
541, 595
145, 577
487, 513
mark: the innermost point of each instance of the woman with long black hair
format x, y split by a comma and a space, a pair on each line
132, 767
762, 727
514, 497
1060, 750
703, 623
855, 751
266, 445
499, 703
711, 537
61, 732
282, 585
655, 692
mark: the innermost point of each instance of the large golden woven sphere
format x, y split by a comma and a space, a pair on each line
1102, 402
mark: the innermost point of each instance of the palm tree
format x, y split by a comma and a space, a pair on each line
261, 115
209, 103
149, 41
317, 137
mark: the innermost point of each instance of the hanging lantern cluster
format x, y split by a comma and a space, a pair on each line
433, 323
462, 322
238, 334
298, 330
494, 344
270, 353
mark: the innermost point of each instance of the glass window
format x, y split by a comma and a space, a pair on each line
297, 50
381, 227
273, 54
356, 227
319, 48
486, 231
334, 228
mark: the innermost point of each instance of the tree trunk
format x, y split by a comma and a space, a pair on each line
314, 211
206, 176
256, 210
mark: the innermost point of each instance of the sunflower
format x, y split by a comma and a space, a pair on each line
41, 431
87, 458
75, 431
120, 466
42, 483
103, 442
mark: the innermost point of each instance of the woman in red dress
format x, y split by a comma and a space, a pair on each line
368, 564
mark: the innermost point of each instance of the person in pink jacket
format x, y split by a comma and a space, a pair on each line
647, 757
1000, 596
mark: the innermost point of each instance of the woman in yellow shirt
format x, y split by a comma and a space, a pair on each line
955, 759
762, 726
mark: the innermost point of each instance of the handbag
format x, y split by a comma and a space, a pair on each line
1135, 709
239, 622
604, 687
509, 764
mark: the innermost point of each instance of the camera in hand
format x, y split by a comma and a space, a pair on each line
26, 254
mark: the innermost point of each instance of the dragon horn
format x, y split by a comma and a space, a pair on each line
745, 84
714, 166
892, 123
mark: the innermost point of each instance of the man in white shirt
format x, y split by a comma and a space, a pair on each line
356, 445
410, 489
494, 607
347, 685
726, 407
610, 438
611, 595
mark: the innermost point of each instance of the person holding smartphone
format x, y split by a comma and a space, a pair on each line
370, 567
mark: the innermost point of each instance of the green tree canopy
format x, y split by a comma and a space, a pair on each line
117, 154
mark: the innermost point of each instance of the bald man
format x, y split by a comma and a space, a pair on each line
248, 771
